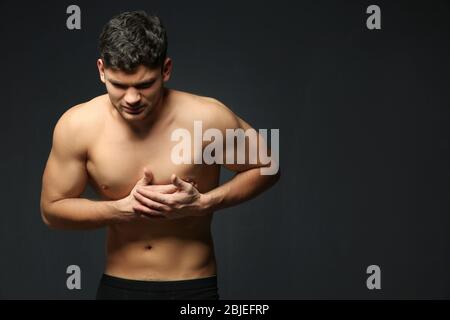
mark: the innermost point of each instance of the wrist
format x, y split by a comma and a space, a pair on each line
119, 209
117, 205
204, 203
208, 202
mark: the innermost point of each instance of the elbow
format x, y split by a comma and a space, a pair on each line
272, 173
47, 219
277, 176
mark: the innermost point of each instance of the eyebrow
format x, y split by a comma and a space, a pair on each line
145, 82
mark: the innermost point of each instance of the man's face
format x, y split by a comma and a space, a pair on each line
134, 95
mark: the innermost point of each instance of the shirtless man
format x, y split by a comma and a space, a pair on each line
158, 214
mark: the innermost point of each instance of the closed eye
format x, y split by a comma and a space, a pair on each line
138, 86
141, 86
119, 86
145, 85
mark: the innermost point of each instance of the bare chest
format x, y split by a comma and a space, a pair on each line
116, 161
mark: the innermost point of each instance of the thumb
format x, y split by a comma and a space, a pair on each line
147, 179
180, 184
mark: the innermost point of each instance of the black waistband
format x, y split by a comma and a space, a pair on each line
165, 285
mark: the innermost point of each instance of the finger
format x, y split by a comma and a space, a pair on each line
166, 199
167, 188
151, 204
147, 212
151, 216
179, 183
148, 177
190, 180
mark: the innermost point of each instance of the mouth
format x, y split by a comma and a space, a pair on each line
133, 110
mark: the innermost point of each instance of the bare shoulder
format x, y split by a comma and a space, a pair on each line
83, 116
78, 124
212, 112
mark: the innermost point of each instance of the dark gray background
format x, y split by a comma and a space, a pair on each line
363, 118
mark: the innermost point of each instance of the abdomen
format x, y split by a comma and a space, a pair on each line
161, 249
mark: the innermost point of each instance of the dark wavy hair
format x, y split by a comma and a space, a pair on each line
131, 39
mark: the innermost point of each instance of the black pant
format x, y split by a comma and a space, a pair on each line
113, 288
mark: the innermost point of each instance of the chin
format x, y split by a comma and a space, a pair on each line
143, 113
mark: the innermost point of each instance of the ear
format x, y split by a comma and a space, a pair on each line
101, 70
167, 69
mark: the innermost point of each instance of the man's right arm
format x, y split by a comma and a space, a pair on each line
64, 180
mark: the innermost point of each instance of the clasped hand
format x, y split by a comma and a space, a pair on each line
179, 199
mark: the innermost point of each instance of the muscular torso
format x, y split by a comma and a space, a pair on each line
157, 249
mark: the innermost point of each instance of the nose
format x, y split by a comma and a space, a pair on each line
132, 97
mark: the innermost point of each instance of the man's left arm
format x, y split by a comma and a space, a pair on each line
248, 181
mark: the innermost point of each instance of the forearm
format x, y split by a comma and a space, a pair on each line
79, 213
242, 187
